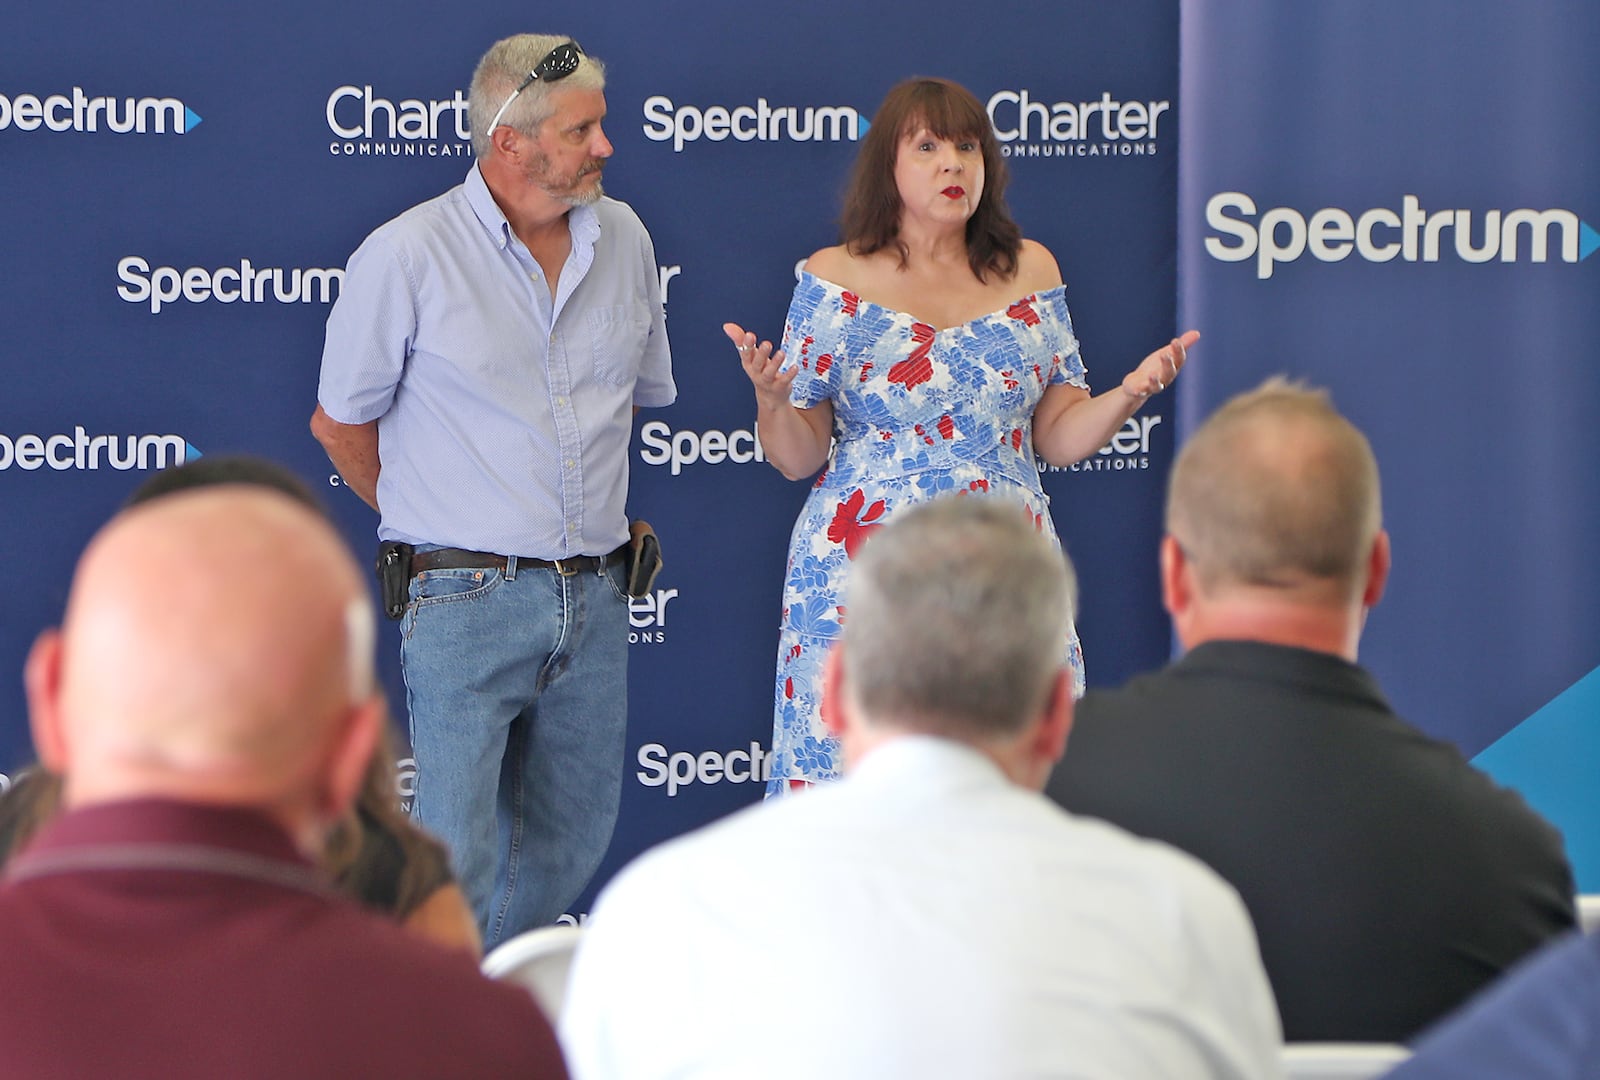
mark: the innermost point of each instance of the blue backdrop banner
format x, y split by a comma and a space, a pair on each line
180, 188
1390, 200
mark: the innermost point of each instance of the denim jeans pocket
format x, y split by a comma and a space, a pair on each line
617, 577
433, 588
445, 586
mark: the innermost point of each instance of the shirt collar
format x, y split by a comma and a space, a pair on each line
912, 759
483, 204
1285, 664
152, 820
585, 226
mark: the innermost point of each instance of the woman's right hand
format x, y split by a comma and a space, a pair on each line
762, 365
796, 441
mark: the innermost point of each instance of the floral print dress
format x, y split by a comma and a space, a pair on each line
918, 413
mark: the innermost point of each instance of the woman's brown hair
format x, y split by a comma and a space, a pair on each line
870, 220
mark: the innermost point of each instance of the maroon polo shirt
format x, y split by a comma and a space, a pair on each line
162, 939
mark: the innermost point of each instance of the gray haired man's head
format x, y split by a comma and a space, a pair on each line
956, 620
504, 67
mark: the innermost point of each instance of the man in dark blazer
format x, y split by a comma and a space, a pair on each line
1388, 879
209, 702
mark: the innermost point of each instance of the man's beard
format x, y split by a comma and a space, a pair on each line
567, 190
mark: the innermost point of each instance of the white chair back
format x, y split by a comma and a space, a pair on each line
1589, 913
539, 961
1341, 1061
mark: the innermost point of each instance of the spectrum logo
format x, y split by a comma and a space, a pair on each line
245, 284
367, 125
79, 112
679, 769
660, 445
760, 122
83, 451
1283, 234
1107, 127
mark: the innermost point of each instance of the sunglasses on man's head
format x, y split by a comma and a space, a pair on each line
557, 64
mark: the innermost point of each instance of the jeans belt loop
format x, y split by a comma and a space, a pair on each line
511, 568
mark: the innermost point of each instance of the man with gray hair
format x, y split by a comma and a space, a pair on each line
1386, 876
209, 703
946, 919
479, 378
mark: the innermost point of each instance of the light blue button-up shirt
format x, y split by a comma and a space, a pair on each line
504, 414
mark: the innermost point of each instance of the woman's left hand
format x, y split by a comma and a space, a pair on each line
1157, 371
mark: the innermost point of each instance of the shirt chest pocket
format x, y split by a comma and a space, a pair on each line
617, 336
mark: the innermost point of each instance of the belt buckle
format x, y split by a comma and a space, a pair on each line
563, 570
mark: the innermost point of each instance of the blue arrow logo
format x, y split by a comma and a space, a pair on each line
1549, 759
191, 119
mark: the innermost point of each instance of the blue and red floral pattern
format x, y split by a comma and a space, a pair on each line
918, 413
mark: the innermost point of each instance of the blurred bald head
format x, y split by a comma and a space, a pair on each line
1277, 490
217, 646
1275, 525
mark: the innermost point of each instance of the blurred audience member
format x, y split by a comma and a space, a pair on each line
375, 853
1388, 879
209, 703
1540, 1021
948, 922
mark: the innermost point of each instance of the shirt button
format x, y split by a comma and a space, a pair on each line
569, 463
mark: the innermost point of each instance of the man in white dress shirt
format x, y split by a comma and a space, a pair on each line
933, 915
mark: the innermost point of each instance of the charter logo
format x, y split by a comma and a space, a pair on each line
245, 284
647, 617
663, 446
405, 781
680, 769
80, 450
1029, 127
80, 112
1128, 450
666, 274
369, 125
761, 122
1283, 234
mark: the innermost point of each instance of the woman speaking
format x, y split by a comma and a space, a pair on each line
933, 353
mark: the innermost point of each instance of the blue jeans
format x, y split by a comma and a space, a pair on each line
516, 684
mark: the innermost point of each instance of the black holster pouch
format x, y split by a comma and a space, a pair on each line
394, 577
644, 558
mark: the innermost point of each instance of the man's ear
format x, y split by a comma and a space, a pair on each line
351, 753
1176, 582
832, 707
507, 141
41, 680
1056, 723
1378, 562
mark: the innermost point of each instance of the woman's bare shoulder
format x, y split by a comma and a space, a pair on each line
858, 273
1037, 269
834, 264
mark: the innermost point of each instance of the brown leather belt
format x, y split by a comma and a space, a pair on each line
461, 559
